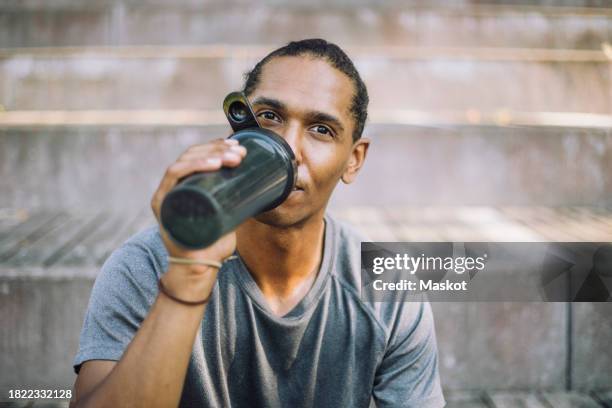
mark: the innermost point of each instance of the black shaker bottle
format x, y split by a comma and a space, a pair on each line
205, 206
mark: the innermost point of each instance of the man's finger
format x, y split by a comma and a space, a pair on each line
217, 143
214, 151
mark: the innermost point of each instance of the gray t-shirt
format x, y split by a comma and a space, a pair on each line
331, 350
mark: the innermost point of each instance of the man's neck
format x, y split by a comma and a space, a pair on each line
283, 261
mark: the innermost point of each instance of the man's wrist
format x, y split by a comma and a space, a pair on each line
190, 282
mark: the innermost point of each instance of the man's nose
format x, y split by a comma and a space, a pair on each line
292, 133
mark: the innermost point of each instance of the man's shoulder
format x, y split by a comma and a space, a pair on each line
348, 234
346, 251
405, 312
148, 237
142, 251
147, 240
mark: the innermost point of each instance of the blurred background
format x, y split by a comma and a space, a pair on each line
490, 121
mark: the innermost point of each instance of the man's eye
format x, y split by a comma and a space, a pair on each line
269, 116
322, 129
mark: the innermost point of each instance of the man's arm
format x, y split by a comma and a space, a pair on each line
91, 375
151, 371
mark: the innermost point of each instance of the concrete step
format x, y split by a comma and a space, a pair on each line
416, 78
120, 166
459, 23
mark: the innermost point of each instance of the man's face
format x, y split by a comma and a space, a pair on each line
306, 101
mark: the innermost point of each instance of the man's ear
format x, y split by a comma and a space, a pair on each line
358, 155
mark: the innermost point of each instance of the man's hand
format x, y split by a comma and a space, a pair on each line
195, 282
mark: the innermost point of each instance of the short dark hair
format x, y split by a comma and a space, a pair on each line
337, 58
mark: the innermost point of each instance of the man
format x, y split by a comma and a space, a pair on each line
282, 324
